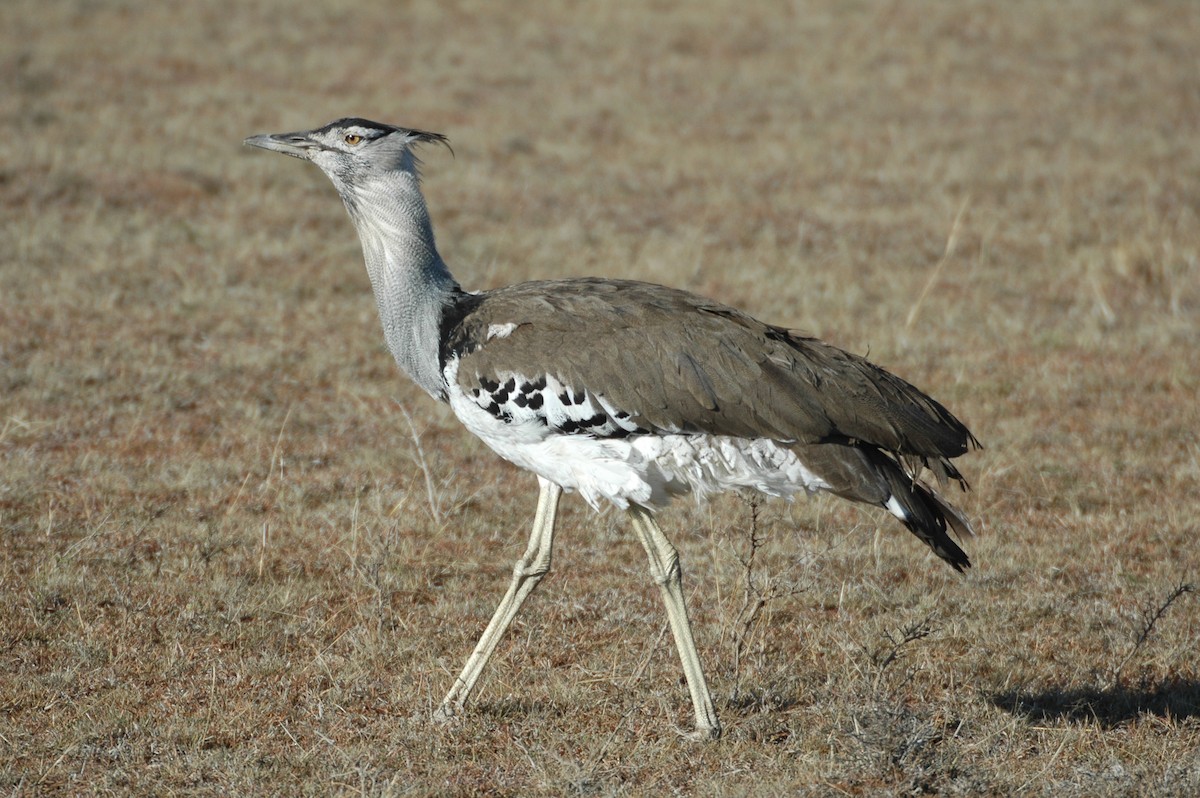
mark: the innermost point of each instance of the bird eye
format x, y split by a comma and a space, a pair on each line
352, 139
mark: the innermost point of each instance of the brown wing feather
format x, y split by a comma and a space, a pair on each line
678, 361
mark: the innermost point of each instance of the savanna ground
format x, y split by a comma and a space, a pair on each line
242, 555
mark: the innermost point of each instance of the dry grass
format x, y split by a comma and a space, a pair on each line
221, 570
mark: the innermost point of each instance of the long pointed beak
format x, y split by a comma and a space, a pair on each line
297, 145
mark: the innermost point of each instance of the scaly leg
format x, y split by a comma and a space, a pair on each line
664, 568
529, 570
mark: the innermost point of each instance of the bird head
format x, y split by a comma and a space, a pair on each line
352, 150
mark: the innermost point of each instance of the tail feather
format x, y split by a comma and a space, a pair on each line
929, 517
867, 474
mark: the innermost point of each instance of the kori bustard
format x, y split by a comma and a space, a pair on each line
627, 392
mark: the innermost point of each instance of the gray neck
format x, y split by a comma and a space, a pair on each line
411, 282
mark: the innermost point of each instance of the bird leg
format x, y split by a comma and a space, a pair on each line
664, 568
529, 570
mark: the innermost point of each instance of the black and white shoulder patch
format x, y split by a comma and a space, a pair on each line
517, 399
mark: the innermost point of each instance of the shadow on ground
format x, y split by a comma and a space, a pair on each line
1177, 699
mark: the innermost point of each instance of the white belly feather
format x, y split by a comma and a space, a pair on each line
648, 470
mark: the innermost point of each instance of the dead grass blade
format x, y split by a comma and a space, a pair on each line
951, 243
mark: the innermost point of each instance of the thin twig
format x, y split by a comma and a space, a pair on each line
918, 630
752, 598
435, 505
1148, 622
755, 598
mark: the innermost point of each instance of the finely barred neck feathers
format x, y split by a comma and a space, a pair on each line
375, 171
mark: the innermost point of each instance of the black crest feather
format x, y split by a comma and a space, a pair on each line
412, 134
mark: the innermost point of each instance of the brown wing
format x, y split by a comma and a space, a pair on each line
678, 362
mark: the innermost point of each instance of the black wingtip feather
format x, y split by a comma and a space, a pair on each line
931, 519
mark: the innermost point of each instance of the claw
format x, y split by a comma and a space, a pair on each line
446, 713
703, 734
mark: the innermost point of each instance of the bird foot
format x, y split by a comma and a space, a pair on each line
703, 734
446, 714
